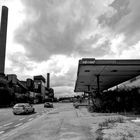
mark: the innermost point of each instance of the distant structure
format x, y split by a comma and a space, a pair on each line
39, 85
48, 80
49, 95
3, 35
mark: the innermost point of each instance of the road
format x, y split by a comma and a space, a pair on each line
63, 122
9, 121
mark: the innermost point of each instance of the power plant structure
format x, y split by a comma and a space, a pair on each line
3, 36
48, 80
49, 95
13, 90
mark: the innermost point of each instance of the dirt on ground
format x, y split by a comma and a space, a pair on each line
112, 126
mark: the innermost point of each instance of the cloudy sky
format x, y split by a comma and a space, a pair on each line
50, 36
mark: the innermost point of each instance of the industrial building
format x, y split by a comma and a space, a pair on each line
11, 88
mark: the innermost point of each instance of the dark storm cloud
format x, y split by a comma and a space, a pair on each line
130, 25
88, 48
125, 20
53, 26
51, 31
121, 9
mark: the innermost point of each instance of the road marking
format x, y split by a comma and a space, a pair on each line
18, 124
1, 132
21, 119
30, 119
8, 124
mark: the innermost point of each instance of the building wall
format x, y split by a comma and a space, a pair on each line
12, 77
39, 87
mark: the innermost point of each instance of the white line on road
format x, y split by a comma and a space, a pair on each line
30, 119
1, 132
8, 124
18, 124
21, 119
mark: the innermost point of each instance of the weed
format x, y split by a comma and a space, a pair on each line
124, 138
130, 135
99, 138
99, 134
110, 121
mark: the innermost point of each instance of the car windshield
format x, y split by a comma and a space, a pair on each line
19, 105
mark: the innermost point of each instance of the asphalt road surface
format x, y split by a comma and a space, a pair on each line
63, 122
9, 121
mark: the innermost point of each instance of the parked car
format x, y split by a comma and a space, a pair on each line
23, 108
76, 104
48, 105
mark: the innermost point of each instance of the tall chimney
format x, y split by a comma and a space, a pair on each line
48, 80
3, 34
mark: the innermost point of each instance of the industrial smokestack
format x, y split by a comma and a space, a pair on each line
3, 35
48, 80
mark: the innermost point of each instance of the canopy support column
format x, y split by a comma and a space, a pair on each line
89, 96
98, 84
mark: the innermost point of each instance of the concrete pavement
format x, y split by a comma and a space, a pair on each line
62, 123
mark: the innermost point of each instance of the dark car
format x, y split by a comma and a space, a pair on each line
48, 105
23, 108
76, 104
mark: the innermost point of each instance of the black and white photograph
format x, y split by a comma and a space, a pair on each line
69, 70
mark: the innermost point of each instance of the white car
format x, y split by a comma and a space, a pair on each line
23, 108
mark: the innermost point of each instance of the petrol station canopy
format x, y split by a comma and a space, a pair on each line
101, 74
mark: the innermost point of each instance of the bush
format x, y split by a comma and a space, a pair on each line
124, 100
